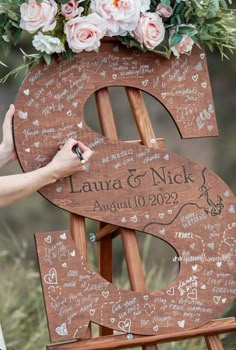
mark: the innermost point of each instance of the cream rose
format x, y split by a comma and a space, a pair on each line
38, 15
47, 43
164, 11
70, 9
184, 46
150, 30
84, 33
121, 15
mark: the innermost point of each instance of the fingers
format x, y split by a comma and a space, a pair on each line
8, 118
68, 146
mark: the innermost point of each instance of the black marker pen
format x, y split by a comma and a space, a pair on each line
79, 153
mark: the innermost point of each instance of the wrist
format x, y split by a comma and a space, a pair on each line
5, 155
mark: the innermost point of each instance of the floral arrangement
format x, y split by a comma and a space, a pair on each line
166, 27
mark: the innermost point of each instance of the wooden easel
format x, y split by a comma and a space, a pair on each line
106, 232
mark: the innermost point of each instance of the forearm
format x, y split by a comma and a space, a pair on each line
15, 187
5, 157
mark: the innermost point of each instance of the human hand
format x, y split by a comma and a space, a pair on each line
7, 146
66, 161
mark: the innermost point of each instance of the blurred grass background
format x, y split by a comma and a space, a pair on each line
22, 312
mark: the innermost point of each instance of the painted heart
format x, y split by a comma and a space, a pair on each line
125, 325
54, 292
116, 49
114, 76
149, 309
72, 253
63, 236
166, 157
59, 189
134, 218
195, 77
219, 263
64, 264
123, 220
192, 245
161, 215
203, 286
147, 216
23, 115
226, 193
69, 113
216, 299
224, 300
92, 312
35, 122
209, 127
204, 85
153, 141
103, 74
163, 94
26, 92
48, 239
181, 323
62, 330
171, 291
202, 56
192, 294
80, 125
169, 211
145, 297
231, 209
194, 268
155, 328
51, 277
37, 144
75, 104
162, 231
27, 150
105, 294
170, 101
211, 245
145, 82
112, 320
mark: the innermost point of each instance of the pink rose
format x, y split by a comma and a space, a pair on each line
70, 9
84, 33
164, 11
38, 15
121, 15
184, 46
150, 30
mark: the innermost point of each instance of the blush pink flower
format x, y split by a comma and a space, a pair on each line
84, 33
121, 15
164, 11
184, 46
38, 15
150, 30
70, 9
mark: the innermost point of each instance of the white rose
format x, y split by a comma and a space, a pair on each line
48, 44
38, 15
121, 15
145, 5
150, 30
84, 33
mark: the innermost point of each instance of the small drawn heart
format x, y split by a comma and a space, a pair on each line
27, 150
92, 312
23, 115
227, 194
231, 209
116, 49
181, 324
211, 245
163, 94
35, 122
155, 328
51, 277
37, 144
194, 268
72, 253
169, 211
26, 92
123, 220
219, 263
59, 189
62, 330
171, 291
145, 297
105, 294
170, 101
192, 245
54, 292
125, 325
162, 231
112, 320
114, 76
48, 239
195, 77
204, 85
63, 236
209, 127
203, 286
223, 300
202, 56
69, 113
75, 104
64, 264
103, 74
147, 216
80, 125
216, 299
167, 157
145, 82
161, 215
134, 218
192, 294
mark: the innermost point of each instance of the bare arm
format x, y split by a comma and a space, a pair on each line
64, 163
